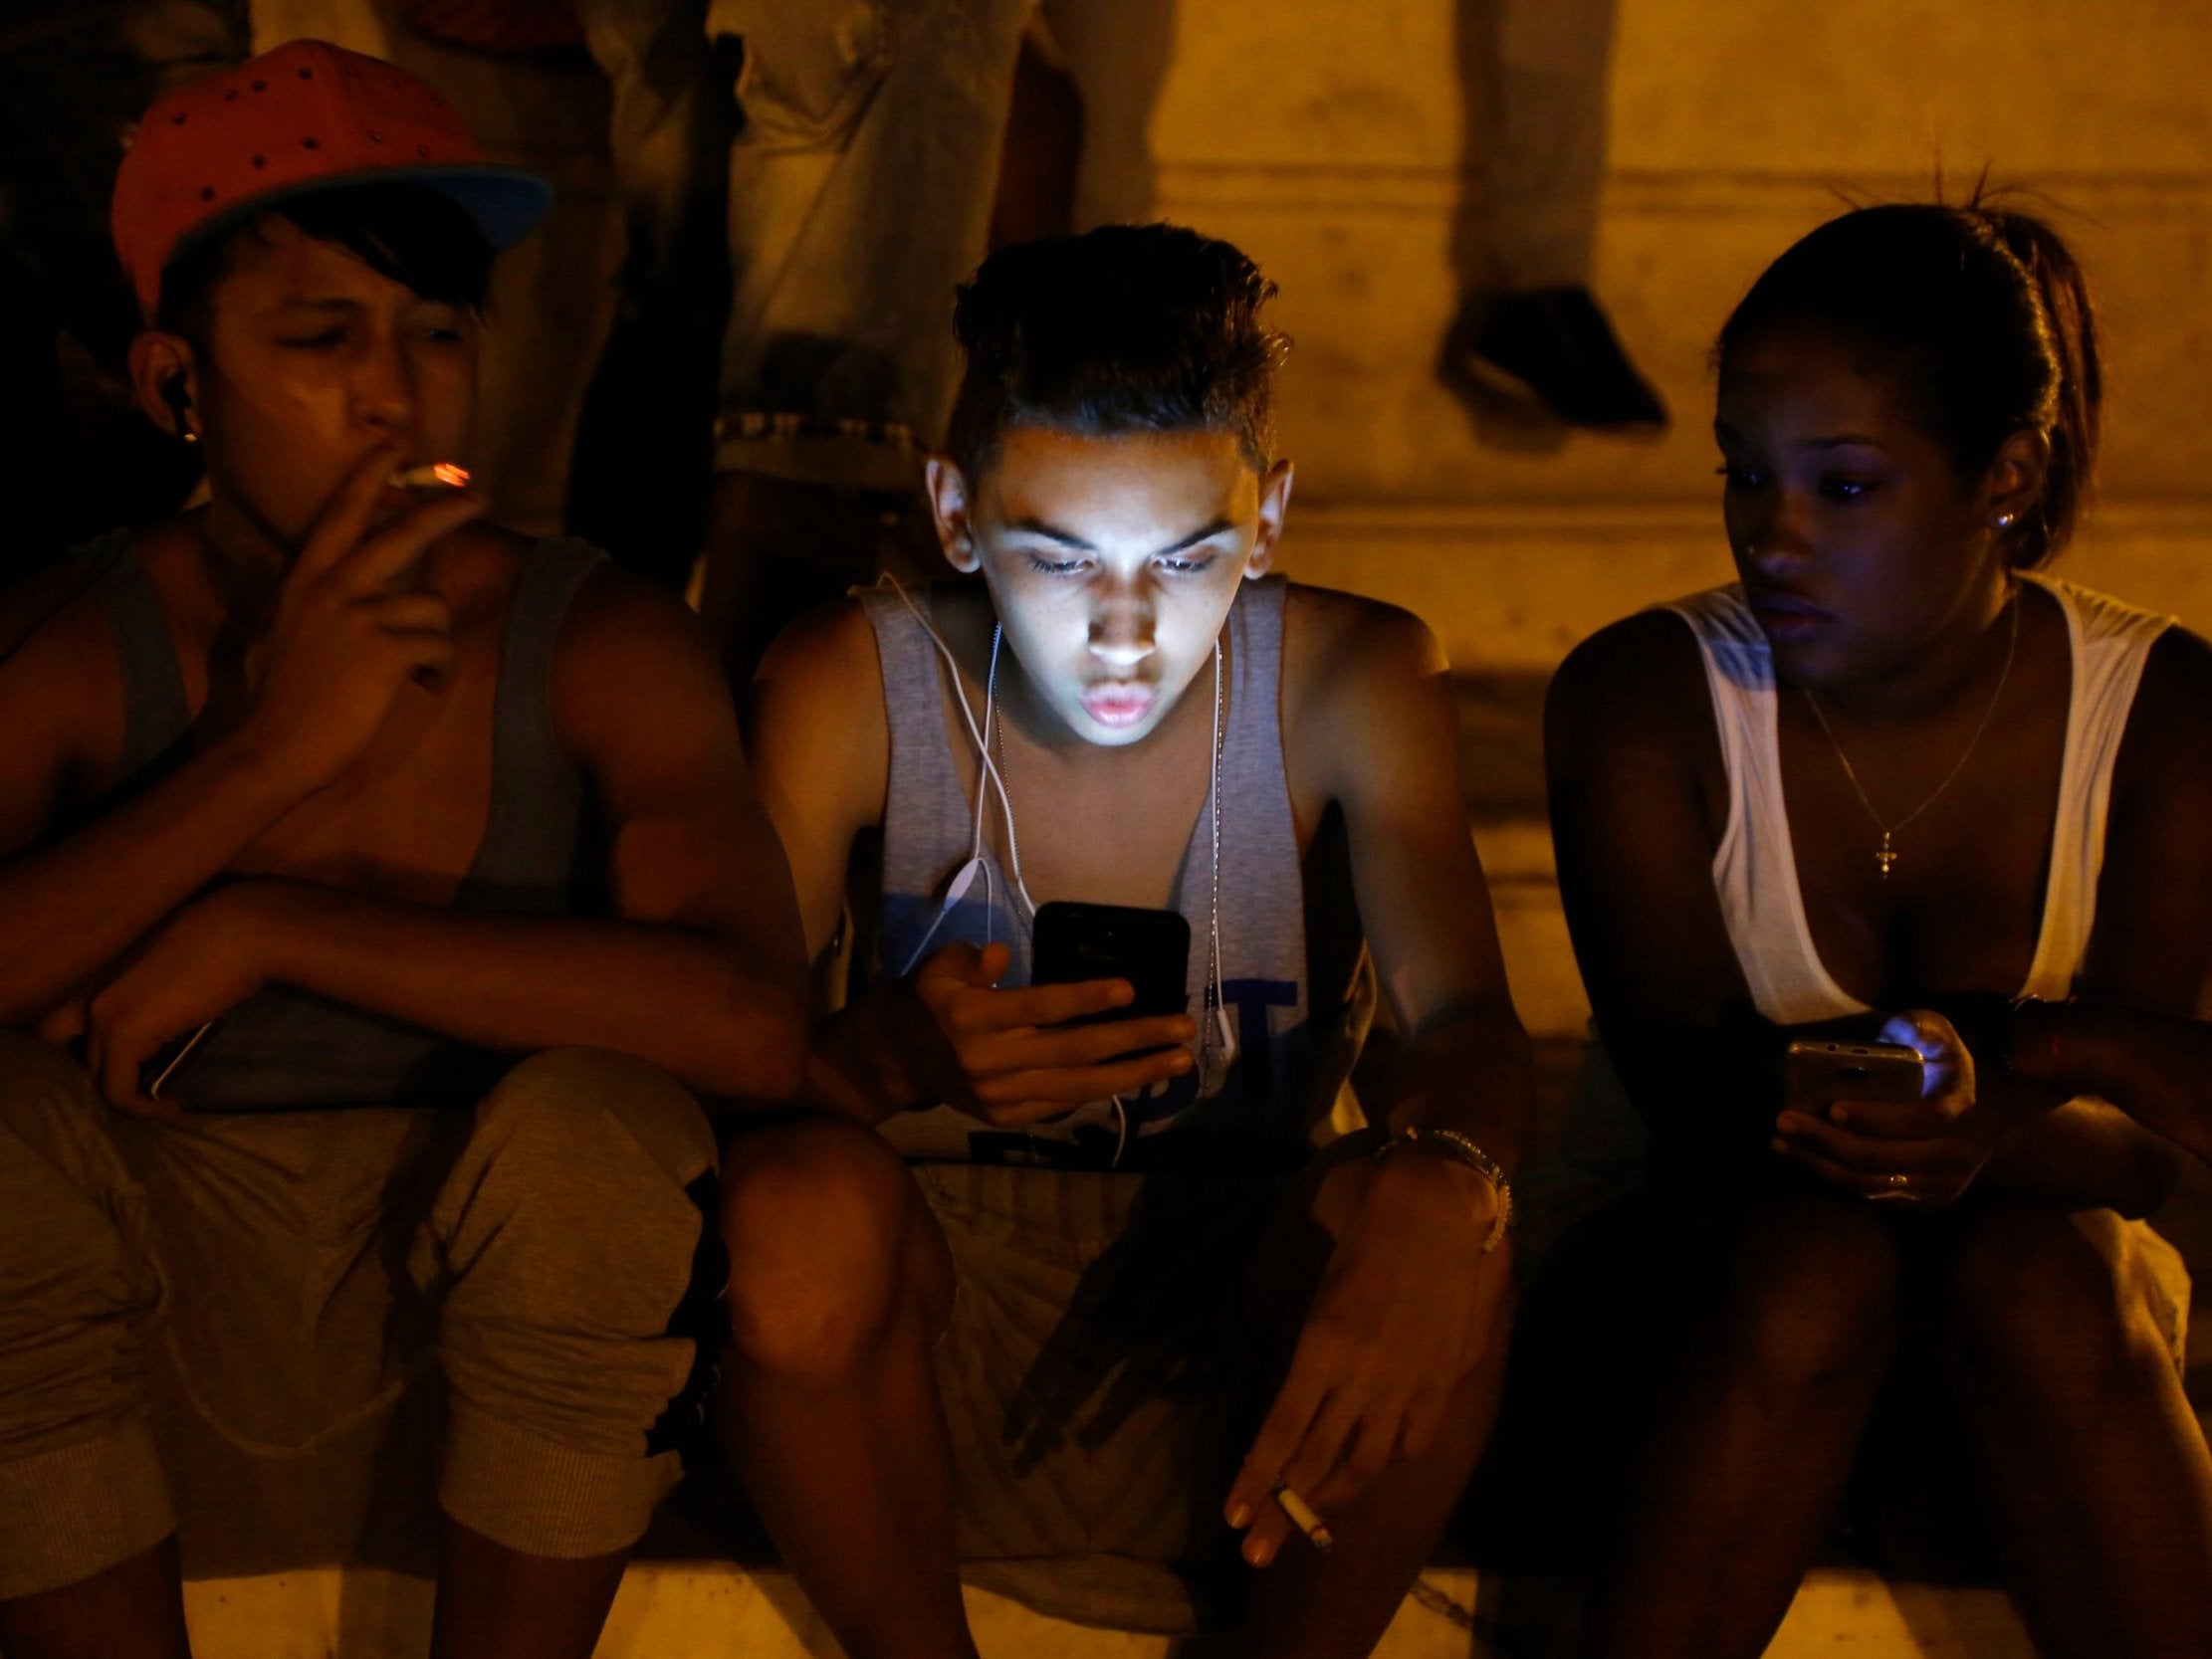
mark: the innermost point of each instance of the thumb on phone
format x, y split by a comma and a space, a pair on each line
1935, 1040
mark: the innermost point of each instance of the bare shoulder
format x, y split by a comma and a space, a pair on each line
61, 678
1346, 654
635, 675
1636, 681
828, 653
816, 718
2168, 745
1327, 632
52, 623
621, 626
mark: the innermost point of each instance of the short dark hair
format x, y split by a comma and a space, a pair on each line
415, 236
1125, 329
1981, 315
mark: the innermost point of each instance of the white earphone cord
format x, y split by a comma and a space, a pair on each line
989, 775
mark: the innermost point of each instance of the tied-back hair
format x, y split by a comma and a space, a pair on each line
1125, 329
1980, 314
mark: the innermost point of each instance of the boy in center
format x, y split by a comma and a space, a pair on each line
1082, 1305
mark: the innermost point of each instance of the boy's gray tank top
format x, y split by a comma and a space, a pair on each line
1256, 1109
281, 1049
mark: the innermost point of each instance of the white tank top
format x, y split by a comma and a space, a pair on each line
1755, 868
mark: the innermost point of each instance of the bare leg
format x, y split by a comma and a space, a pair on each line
499, 1603
1750, 1451
1311, 1604
1340, 1604
2101, 1482
838, 1278
132, 1611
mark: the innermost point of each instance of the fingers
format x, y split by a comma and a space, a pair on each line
970, 1002
1895, 1120
375, 561
65, 1023
116, 1060
1019, 1063
419, 626
1947, 1065
341, 541
344, 517
1865, 1155
1057, 1004
1296, 1404
1269, 1530
1896, 1187
961, 966
1032, 1097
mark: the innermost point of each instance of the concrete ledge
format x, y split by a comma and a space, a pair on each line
720, 1611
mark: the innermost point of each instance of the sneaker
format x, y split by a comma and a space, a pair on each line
1556, 345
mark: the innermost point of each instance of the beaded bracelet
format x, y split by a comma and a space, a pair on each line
1459, 1147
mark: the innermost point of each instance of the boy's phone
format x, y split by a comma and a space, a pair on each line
155, 1076
1149, 948
1816, 1072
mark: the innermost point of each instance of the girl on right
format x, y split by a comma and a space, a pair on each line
1896, 770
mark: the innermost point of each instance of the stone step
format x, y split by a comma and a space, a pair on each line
705, 1610
1511, 587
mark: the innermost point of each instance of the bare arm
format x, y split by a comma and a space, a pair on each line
341, 651
699, 971
1637, 793
2153, 945
1380, 725
1413, 1296
2156, 1067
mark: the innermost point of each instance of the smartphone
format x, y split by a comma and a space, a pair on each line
1816, 1072
155, 1076
1149, 948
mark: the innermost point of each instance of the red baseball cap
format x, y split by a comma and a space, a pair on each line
304, 118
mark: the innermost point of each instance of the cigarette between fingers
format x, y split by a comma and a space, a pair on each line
435, 475
1303, 1517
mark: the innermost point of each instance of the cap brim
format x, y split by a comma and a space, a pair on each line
505, 203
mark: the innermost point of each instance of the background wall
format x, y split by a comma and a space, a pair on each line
1328, 140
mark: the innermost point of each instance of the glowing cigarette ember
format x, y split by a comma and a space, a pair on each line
437, 474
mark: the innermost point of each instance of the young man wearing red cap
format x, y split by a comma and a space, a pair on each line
373, 799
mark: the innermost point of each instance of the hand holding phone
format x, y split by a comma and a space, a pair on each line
1017, 1057
1896, 1122
1075, 944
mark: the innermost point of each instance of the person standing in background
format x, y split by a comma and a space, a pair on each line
1535, 75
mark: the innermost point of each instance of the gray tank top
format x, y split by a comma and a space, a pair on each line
282, 1049
1255, 1109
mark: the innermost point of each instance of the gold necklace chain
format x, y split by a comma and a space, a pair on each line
1887, 857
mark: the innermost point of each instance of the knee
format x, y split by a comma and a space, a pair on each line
2052, 1306
584, 1110
816, 1215
1814, 1304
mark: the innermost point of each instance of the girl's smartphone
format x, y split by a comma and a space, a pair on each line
1817, 1073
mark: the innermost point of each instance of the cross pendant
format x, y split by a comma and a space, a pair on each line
1885, 857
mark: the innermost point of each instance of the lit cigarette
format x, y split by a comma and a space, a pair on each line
1302, 1517
437, 474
